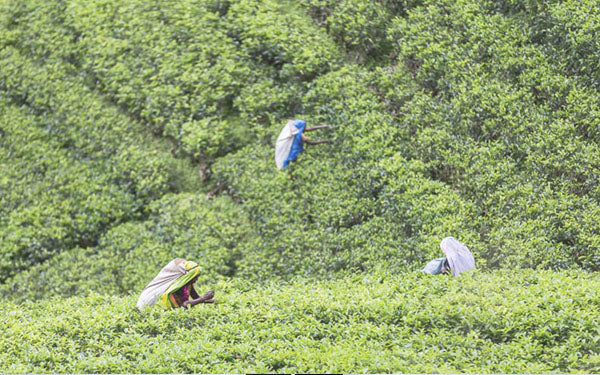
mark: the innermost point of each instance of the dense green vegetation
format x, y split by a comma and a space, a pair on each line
133, 132
528, 322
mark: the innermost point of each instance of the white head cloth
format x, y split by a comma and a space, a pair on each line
284, 143
459, 257
161, 282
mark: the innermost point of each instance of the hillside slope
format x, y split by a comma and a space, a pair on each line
133, 132
448, 118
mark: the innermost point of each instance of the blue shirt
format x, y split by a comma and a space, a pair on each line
298, 145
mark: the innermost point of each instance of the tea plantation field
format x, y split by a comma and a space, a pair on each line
522, 322
133, 132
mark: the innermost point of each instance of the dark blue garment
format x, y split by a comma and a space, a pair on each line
298, 145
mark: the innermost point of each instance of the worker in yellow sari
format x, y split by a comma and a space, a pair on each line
174, 287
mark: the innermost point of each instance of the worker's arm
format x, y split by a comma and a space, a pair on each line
316, 128
320, 141
445, 266
193, 292
206, 298
309, 142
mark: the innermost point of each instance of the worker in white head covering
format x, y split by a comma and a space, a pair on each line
458, 257
290, 142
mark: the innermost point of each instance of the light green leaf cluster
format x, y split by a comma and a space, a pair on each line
524, 322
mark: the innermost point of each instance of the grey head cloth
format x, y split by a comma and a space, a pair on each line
459, 257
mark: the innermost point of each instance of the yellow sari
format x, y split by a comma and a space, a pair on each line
168, 299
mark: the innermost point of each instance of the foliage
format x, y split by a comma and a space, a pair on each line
506, 133
359, 26
134, 132
525, 321
185, 68
213, 233
72, 166
468, 127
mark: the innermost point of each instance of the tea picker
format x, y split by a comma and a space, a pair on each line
173, 287
290, 142
458, 259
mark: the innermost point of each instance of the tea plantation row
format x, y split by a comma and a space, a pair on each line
526, 321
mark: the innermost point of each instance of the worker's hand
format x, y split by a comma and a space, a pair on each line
444, 269
207, 296
185, 304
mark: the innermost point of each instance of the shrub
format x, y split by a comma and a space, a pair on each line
213, 233
513, 321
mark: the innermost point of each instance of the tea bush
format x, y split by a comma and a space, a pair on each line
524, 321
342, 200
498, 141
359, 26
72, 166
135, 132
496, 121
213, 233
186, 68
